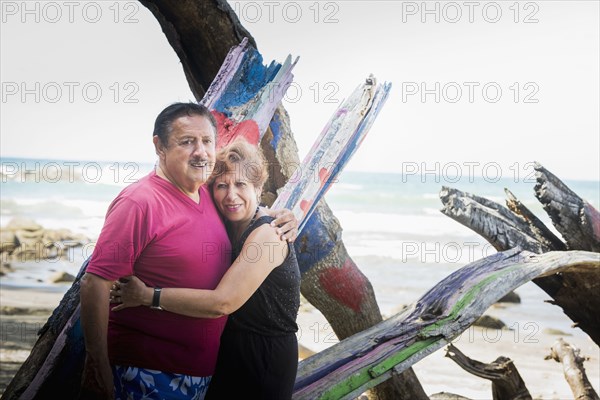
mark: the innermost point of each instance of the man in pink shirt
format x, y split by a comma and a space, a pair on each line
166, 230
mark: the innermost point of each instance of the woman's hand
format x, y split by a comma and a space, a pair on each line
130, 291
285, 222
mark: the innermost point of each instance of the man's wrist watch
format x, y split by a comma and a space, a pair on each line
156, 299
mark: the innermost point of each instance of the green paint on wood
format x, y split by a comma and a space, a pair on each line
397, 358
363, 376
465, 300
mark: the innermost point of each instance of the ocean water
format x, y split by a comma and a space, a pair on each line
392, 226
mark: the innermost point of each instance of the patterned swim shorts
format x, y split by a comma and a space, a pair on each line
132, 383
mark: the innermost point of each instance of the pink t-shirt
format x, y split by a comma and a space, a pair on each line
162, 236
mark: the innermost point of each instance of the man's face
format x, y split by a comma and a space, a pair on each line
189, 158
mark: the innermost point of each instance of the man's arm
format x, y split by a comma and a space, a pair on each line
97, 379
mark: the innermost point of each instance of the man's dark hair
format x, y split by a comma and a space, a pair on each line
164, 120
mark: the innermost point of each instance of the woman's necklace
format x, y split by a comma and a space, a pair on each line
254, 217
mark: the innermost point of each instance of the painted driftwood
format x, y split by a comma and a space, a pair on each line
517, 227
350, 367
53, 368
332, 150
201, 32
245, 93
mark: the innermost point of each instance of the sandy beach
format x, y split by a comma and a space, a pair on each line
24, 311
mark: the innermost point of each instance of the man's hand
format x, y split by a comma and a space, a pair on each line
96, 381
286, 223
130, 291
97, 378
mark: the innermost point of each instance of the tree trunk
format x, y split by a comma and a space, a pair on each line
201, 32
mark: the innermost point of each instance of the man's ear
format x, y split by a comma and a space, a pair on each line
158, 146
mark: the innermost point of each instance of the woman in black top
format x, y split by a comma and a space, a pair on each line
258, 357
260, 292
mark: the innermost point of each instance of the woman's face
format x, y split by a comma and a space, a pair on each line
235, 197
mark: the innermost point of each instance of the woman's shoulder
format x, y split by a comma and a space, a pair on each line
264, 234
265, 237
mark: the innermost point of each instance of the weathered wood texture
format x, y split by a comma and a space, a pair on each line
201, 32
245, 94
576, 220
517, 227
506, 380
541, 232
338, 141
574, 370
367, 358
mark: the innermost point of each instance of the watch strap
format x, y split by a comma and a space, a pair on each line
156, 299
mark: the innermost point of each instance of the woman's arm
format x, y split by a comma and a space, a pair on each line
262, 252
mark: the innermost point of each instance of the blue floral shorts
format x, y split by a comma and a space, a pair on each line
133, 383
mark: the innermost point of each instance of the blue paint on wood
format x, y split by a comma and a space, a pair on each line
275, 126
322, 371
314, 243
353, 144
247, 81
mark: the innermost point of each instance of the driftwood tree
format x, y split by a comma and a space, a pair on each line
201, 32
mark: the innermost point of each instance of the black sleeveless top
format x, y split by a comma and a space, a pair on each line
273, 308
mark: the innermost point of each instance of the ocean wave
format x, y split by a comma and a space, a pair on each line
427, 225
54, 208
415, 251
79, 216
348, 187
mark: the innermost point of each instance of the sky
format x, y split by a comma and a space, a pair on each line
478, 88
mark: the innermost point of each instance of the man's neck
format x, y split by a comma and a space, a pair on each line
160, 172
